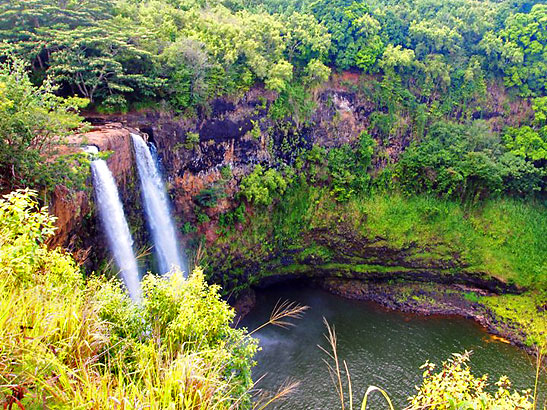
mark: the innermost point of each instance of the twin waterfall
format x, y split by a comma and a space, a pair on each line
157, 209
115, 226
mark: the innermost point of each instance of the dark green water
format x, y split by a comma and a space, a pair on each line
382, 348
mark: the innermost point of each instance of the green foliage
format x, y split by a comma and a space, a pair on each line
118, 52
524, 310
94, 61
455, 387
226, 172
230, 218
527, 143
261, 186
524, 47
188, 228
539, 105
33, 122
348, 168
462, 162
255, 131
355, 33
24, 231
176, 349
192, 140
502, 238
114, 52
202, 218
294, 102
208, 197
521, 177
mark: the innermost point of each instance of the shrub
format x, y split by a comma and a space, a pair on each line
192, 140
453, 161
33, 122
348, 168
455, 387
65, 343
260, 186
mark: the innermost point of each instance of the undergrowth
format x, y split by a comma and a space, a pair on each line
67, 342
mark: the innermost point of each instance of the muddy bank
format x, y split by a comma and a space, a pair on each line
431, 299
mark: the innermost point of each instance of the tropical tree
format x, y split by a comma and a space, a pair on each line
33, 121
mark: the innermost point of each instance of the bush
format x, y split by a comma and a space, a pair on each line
260, 186
348, 168
455, 387
192, 140
453, 161
66, 343
33, 122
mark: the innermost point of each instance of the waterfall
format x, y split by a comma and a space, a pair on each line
115, 226
157, 208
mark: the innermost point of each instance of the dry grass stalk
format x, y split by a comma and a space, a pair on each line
282, 311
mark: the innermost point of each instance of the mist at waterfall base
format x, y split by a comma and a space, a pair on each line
382, 348
115, 226
158, 209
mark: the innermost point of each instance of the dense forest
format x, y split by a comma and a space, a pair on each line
448, 175
430, 66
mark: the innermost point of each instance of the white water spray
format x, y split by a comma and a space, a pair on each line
158, 209
115, 226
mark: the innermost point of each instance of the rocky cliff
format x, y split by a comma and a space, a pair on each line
78, 227
207, 154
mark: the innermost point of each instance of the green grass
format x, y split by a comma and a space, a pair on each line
526, 311
503, 238
67, 342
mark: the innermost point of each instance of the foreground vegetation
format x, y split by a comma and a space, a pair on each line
67, 341
70, 342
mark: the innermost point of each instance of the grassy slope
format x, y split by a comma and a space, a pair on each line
502, 238
70, 343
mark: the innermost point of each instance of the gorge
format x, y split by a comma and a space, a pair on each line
343, 196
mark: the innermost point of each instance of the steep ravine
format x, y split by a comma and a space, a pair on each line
228, 140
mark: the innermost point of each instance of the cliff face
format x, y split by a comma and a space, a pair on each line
206, 155
237, 135
78, 227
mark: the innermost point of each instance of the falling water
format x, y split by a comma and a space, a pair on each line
115, 226
157, 207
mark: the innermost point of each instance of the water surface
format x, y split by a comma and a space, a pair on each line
382, 348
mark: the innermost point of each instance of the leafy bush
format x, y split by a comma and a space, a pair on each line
208, 197
464, 163
192, 140
260, 186
348, 168
230, 218
455, 387
527, 143
33, 122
